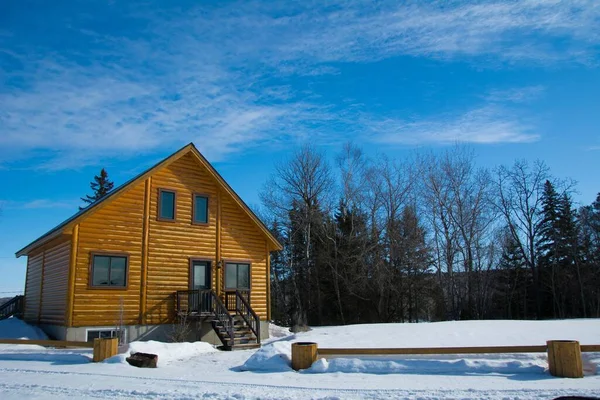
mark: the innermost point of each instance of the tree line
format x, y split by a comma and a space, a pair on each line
427, 238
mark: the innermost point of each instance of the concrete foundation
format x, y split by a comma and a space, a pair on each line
199, 331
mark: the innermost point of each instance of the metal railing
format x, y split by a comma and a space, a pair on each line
242, 307
12, 307
191, 302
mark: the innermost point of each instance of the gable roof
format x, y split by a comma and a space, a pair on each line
188, 149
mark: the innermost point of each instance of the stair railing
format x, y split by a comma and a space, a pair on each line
242, 307
223, 316
12, 307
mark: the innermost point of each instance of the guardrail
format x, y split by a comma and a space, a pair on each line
103, 348
564, 356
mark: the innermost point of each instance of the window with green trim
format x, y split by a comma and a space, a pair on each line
200, 209
237, 276
166, 204
109, 271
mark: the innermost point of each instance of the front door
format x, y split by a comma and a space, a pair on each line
200, 279
200, 275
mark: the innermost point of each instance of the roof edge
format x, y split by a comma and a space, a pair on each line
87, 211
190, 147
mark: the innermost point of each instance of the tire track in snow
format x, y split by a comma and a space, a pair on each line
192, 389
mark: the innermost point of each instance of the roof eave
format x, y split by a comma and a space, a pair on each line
39, 242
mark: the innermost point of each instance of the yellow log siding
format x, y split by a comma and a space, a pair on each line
119, 227
54, 288
33, 283
242, 240
171, 244
115, 228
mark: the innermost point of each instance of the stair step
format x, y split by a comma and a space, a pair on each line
248, 346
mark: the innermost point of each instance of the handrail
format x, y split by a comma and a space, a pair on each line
194, 301
12, 307
221, 313
242, 307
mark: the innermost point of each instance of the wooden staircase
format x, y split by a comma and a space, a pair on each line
236, 325
243, 337
13, 307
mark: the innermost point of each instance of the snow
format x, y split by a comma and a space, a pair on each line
196, 370
168, 352
14, 328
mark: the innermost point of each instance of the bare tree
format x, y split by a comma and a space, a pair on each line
297, 193
519, 199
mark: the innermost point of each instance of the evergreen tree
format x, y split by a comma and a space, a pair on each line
101, 186
548, 246
513, 280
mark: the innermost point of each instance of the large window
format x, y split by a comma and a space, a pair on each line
109, 270
237, 276
166, 205
200, 214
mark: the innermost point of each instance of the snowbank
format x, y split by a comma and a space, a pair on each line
167, 352
278, 332
430, 365
275, 357
455, 334
14, 328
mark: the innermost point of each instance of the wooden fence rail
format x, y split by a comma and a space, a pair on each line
445, 350
48, 343
564, 356
103, 348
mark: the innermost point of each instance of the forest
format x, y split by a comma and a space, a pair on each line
429, 237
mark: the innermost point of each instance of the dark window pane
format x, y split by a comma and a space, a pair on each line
109, 271
230, 276
167, 205
243, 275
201, 209
91, 335
118, 266
100, 270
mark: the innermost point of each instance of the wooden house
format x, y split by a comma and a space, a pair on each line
174, 247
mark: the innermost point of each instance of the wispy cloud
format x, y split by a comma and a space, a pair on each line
486, 125
515, 95
218, 74
36, 204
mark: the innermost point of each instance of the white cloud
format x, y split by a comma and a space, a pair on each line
36, 204
515, 95
211, 74
486, 125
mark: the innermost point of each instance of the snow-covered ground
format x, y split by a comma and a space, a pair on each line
191, 371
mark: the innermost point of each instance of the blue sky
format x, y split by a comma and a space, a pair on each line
122, 84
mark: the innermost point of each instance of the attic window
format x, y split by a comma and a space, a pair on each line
200, 209
166, 204
109, 270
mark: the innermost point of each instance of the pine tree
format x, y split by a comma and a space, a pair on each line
548, 246
101, 186
514, 279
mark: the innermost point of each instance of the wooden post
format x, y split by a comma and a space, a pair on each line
564, 358
304, 354
72, 275
105, 348
145, 239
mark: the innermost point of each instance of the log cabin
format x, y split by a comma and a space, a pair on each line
172, 251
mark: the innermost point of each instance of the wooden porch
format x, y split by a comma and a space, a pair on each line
232, 318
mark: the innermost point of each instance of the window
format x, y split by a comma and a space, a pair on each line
166, 205
200, 274
106, 334
200, 209
109, 271
237, 276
